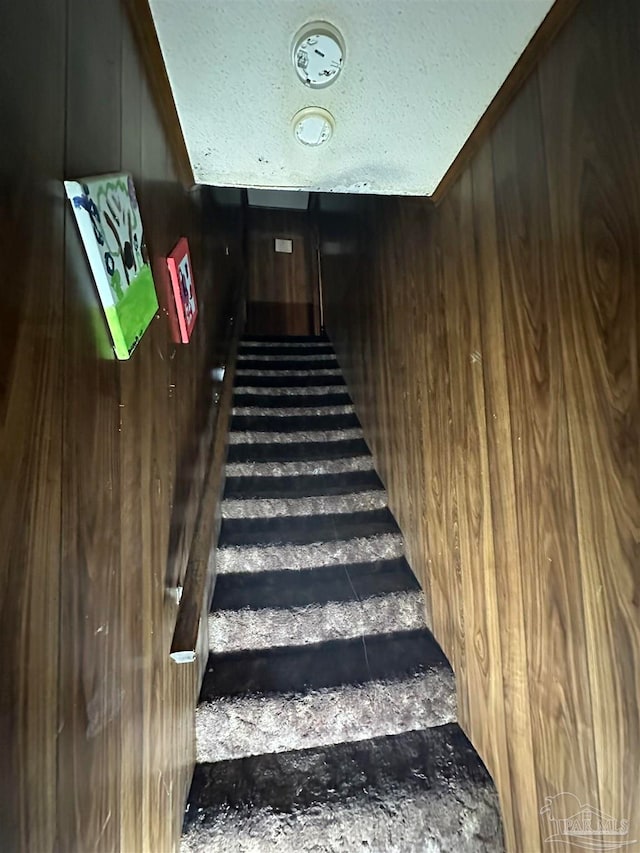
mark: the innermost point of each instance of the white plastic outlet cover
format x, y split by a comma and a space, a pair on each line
318, 54
313, 126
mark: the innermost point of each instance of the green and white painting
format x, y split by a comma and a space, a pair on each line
106, 210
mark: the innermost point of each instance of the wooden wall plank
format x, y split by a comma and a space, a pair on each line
441, 511
91, 633
31, 344
521, 816
480, 682
589, 94
554, 624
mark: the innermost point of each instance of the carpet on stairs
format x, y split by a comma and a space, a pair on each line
327, 714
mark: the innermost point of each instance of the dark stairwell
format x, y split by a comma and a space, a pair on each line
327, 716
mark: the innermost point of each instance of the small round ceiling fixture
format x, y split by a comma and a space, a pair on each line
313, 126
318, 54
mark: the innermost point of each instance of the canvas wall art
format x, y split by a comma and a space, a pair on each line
184, 292
106, 210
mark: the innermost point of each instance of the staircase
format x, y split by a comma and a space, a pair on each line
327, 716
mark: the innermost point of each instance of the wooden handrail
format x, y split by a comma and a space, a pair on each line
200, 571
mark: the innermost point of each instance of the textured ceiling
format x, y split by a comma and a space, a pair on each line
417, 76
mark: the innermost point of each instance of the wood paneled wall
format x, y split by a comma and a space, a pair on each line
101, 462
283, 287
492, 348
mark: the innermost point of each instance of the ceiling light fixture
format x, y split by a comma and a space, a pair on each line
313, 126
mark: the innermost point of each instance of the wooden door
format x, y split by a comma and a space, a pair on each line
283, 274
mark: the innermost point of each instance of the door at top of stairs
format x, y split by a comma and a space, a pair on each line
283, 297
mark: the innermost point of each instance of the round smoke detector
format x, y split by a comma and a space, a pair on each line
318, 54
313, 126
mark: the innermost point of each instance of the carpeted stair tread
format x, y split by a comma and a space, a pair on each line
297, 530
415, 791
297, 507
239, 726
302, 485
300, 468
303, 356
249, 629
265, 401
297, 669
256, 559
289, 781
292, 411
294, 436
284, 363
267, 423
285, 380
303, 451
326, 583
285, 339
287, 350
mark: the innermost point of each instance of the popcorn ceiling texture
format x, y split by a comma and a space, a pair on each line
417, 77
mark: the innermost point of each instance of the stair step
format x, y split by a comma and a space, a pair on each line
281, 362
250, 629
298, 380
298, 530
251, 725
253, 508
293, 436
298, 669
252, 559
283, 340
292, 349
265, 400
303, 451
412, 792
294, 469
326, 583
292, 411
304, 356
293, 423
302, 485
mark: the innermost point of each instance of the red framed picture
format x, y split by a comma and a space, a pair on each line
184, 291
